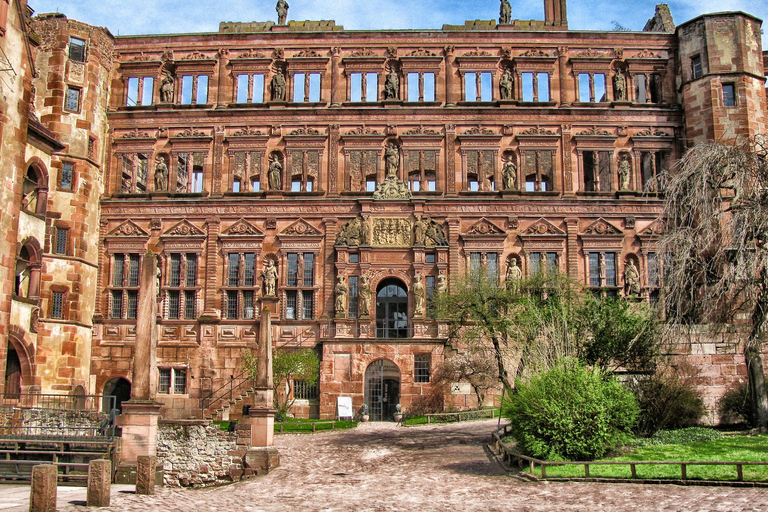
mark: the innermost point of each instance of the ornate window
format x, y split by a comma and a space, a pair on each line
391, 310
478, 86
124, 290
134, 168
486, 262
240, 289
422, 170
139, 91
172, 381
539, 262
539, 170
422, 367
194, 89
596, 169
181, 286
352, 283
246, 171
250, 88
602, 272
300, 286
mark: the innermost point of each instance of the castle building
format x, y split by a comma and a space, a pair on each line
340, 179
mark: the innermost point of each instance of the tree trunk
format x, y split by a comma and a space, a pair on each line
756, 379
503, 375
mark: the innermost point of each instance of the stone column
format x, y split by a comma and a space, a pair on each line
140, 413
99, 482
42, 494
449, 95
262, 456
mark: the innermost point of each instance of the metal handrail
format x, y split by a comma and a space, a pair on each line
228, 391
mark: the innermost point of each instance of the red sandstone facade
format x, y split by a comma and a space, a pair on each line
495, 143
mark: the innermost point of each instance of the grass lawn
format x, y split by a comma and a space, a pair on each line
294, 425
735, 448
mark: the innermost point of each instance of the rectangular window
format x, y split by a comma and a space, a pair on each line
309, 269
422, 365
653, 270
641, 88
696, 69
73, 99
470, 87
189, 304
248, 308
147, 89
475, 263
173, 304
429, 257
186, 89
172, 381
584, 87
164, 382
353, 293
429, 87
610, 269
257, 96
57, 305
307, 300
233, 271
67, 175
729, 95
356, 87
242, 89
543, 87
527, 86
249, 272
290, 304
594, 269
196, 185
492, 265
133, 92
256, 93
232, 308
180, 381
293, 270
535, 260
61, 241
600, 94
202, 90
255, 186
370, 186
413, 87
133, 270
117, 304
303, 390
371, 87
551, 262
486, 87
298, 87
76, 49
354, 257
117, 271
430, 289
175, 279
314, 87
191, 269
133, 304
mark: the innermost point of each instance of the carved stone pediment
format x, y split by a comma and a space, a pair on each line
485, 227
243, 228
184, 228
601, 227
654, 229
128, 228
543, 227
301, 228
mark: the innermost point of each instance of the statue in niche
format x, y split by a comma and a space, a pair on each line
505, 85
364, 298
631, 279
619, 87
392, 159
278, 87
270, 279
514, 275
505, 13
509, 174
392, 86
365, 232
624, 171
166, 89
282, 11
418, 296
161, 175
419, 231
275, 173
442, 285
341, 291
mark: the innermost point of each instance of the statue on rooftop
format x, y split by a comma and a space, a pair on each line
505, 13
282, 11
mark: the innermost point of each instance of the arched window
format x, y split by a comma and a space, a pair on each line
35, 190
391, 310
27, 282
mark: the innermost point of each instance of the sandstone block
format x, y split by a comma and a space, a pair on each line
99, 482
145, 474
42, 497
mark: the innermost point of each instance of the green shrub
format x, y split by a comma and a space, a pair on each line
668, 400
571, 412
735, 407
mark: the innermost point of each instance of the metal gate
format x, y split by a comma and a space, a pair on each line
382, 389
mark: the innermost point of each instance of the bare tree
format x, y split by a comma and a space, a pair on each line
715, 245
474, 364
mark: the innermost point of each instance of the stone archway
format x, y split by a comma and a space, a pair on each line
120, 388
382, 389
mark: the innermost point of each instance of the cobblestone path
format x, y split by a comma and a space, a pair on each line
381, 467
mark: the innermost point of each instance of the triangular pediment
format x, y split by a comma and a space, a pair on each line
602, 227
301, 228
243, 228
543, 227
185, 228
484, 227
128, 228
655, 228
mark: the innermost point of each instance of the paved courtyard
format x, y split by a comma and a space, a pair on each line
380, 466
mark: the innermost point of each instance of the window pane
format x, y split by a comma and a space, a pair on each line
729, 95
73, 99
653, 270
429, 87
164, 382
492, 265
179, 381
133, 271
356, 87
66, 176
352, 281
236, 186
583, 87
535, 260
189, 304
298, 87
696, 67
290, 304
640, 89
242, 89
314, 87
173, 304
594, 269
551, 261
61, 241
543, 86
57, 307
293, 269
146, 93
233, 269
309, 269
186, 90
191, 269
255, 186
527, 86
600, 95
371, 87
421, 367
202, 90
249, 272
197, 180
231, 303
475, 262
248, 309
610, 269
117, 304
258, 89
133, 304
295, 186
76, 49
470, 87
413, 87
307, 300
486, 92
133, 92
175, 279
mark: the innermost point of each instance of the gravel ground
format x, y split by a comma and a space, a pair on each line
380, 466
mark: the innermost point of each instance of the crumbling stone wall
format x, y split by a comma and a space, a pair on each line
198, 454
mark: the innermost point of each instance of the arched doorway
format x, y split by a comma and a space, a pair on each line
382, 389
121, 389
12, 373
391, 309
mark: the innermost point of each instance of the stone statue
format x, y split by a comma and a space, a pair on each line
624, 172
158, 279
355, 232
619, 87
166, 89
364, 298
509, 174
392, 159
392, 86
282, 11
631, 279
418, 296
270, 279
278, 87
442, 285
275, 174
419, 231
505, 13
365, 232
505, 84
435, 235
161, 175
341, 291
514, 275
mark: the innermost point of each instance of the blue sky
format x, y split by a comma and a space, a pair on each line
129, 17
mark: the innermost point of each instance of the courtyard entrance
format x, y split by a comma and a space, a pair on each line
382, 389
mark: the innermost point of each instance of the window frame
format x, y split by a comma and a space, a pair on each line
67, 97
176, 375
74, 55
240, 283
422, 368
299, 283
